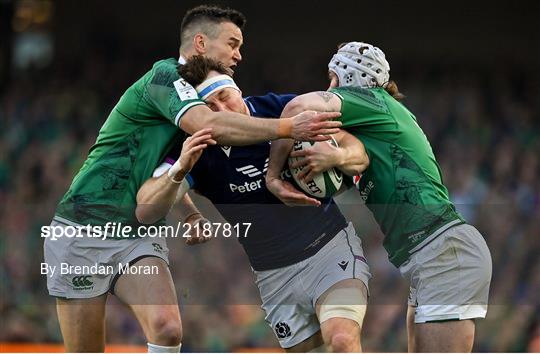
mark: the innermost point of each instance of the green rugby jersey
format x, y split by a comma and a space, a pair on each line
403, 185
134, 139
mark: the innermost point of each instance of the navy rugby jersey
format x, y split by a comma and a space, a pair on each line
233, 179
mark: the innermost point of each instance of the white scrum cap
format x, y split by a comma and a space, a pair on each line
360, 64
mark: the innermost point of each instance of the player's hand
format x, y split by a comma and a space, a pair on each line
288, 194
193, 147
197, 231
315, 126
316, 159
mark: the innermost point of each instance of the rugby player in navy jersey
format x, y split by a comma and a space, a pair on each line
324, 310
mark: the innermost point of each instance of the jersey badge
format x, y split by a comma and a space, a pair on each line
226, 150
185, 91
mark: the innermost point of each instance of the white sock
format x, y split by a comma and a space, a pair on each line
154, 348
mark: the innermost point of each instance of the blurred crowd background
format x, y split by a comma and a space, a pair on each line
473, 86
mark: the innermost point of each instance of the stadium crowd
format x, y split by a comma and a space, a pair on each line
485, 132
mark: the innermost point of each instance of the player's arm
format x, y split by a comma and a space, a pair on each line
229, 128
349, 156
167, 195
155, 198
157, 195
179, 103
321, 101
353, 158
279, 152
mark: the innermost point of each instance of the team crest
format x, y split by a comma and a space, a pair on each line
282, 330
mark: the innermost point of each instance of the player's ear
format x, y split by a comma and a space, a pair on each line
334, 82
199, 43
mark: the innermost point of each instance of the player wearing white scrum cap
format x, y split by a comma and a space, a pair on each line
446, 261
360, 64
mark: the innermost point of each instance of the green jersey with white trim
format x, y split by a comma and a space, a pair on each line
136, 136
403, 185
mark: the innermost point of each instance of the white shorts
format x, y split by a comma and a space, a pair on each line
450, 276
289, 294
86, 267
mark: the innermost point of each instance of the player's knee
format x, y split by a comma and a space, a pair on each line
341, 335
343, 342
165, 330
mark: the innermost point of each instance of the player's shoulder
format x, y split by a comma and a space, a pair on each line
165, 64
269, 105
372, 97
164, 72
359, 92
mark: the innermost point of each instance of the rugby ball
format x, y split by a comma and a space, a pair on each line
324, 184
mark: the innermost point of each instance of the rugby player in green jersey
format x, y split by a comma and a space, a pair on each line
446, 261
151, 115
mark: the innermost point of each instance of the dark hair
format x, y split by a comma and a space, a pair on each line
209, 14
196, 69
392, 89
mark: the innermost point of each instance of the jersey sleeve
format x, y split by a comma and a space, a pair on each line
169, 95
363, 108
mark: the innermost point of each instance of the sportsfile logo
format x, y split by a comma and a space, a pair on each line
253, 171
82, 282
